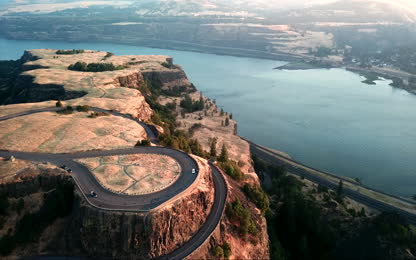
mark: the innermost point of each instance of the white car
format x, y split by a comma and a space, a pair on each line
193, 171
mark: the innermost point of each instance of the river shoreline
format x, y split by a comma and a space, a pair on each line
296, 62
303, 66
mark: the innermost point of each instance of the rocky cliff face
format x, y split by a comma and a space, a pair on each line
33, 184
168, 79
242, 247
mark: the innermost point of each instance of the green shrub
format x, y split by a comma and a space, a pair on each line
98, 114
231, 169
108, 55
177, 91
67, 111
69, 52
236, 212
227, 250
167, 65
193, 128
171, 106
84, 108
219, 252
143, 142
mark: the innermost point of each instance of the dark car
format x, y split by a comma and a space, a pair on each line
93, 194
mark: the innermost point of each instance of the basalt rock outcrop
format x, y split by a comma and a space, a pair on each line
29, 182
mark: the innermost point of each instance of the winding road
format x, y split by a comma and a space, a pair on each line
276, 158
108, 200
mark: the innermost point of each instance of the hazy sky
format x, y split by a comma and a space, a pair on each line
266, 3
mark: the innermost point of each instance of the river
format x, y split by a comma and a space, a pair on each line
327, 119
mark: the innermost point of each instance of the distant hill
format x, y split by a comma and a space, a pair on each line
289, 11
355, 11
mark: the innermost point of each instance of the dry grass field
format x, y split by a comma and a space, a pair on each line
134, 174
53, 132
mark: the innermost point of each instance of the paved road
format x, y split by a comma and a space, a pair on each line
275, 158
211, 222
112, 201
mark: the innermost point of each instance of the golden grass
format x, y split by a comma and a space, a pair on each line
134, 174
52, 132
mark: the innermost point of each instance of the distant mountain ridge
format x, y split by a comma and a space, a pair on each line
289, 11
358, 11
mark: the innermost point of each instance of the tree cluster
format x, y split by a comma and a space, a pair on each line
222, 251
299, 227
256, 194
69, 52
237, 213
57, 203
94, 67
191, 106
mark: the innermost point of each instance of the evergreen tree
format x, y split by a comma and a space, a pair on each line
340, 189
222, 112
231, 116
213, 150
201, 104
224, 154
227, 122
59, 104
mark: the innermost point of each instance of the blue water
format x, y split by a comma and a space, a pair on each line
325, 118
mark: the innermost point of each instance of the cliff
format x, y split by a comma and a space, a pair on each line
45, 77
94, 232
147, 235
130, 90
